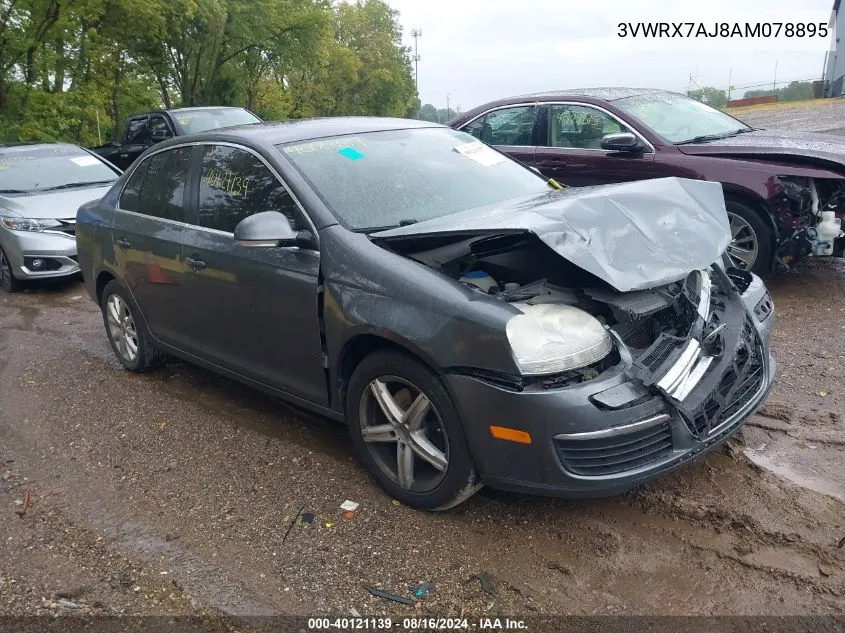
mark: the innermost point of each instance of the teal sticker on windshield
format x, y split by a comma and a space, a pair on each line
351, 153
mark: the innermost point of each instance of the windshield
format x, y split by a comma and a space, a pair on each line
194, 121
29, 170
384, 179
680, 119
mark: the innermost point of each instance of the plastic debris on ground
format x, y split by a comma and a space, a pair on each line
486, 581
349, 506
379, 593
307, 517
349, 515
423, 590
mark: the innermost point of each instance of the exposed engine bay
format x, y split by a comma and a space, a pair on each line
809, 213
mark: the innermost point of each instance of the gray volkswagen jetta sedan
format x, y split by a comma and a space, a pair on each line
472, 322
41, 187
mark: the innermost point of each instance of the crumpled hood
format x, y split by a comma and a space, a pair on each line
52, 205
633, 235
821, 147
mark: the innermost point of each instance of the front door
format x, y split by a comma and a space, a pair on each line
510, 130
571, 152
148, 231
252, 310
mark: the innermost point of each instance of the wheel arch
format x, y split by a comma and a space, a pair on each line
756, 204
363, 344
103, 280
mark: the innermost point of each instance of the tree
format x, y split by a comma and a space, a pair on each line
67, 64
709, 95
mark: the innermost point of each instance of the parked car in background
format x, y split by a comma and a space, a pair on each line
441, 299
41, 187
784, 191
144, 130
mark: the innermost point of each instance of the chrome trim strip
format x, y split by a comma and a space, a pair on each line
705, 289
616, 430
694, 377
576, 103
682, 367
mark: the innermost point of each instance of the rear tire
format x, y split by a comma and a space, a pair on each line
127, 333
751, 239
407, 431
8, 282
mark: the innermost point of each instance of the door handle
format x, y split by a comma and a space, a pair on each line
123, 243
552, 162
195, 263
124, 155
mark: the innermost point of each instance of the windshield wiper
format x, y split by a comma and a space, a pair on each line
72, 185
14, 191
713, 137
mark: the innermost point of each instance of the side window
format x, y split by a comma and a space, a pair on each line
580, 126
157, 124
162, 193
129, 197
138, 131
511, 126
475, 127
235, 184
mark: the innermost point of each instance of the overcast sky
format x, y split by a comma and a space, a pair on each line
478, 50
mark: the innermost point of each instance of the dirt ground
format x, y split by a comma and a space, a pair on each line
824, 115
175, 493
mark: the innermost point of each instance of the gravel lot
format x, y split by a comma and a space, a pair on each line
827, 115
174, 493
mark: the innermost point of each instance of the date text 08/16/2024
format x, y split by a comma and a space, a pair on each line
416, 624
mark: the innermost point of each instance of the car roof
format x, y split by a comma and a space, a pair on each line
605, 94
295, 130
201, 108
11, 148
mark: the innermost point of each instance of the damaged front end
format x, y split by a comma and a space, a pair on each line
808, 213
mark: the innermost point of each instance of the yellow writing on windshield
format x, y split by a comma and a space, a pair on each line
324, 145
227, 181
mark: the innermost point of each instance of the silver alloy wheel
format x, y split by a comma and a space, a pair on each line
122, 328
404, 433
5, 271
744, 245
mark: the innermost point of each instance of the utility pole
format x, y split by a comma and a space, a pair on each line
730, 76
775, 80
416, 34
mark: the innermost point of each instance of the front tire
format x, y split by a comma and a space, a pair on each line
751, 239
129, 339
407, 431
8, 282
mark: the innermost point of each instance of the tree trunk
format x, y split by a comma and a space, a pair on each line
59, 83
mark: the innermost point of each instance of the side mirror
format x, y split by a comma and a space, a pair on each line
621, 142
160, 135
269, 229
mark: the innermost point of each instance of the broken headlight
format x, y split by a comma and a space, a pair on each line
547, 339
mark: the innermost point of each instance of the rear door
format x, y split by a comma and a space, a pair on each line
251, 310
148, 231
511, 130
570, 149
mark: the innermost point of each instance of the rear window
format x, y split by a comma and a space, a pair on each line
380, 180
30, 170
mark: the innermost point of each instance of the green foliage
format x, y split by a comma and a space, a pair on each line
711, 96
429, 113
64, 64
795, 91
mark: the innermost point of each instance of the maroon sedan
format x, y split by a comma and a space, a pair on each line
784, 192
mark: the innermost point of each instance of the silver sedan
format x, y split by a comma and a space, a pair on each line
41, 187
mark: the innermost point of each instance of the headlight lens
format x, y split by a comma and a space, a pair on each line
26, 224
548, 339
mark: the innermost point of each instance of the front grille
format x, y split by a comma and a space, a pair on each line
739, 384
616, 454
764, 308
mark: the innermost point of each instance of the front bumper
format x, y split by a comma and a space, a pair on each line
587, 444
56, 249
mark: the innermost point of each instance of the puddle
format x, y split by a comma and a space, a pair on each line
814, 466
